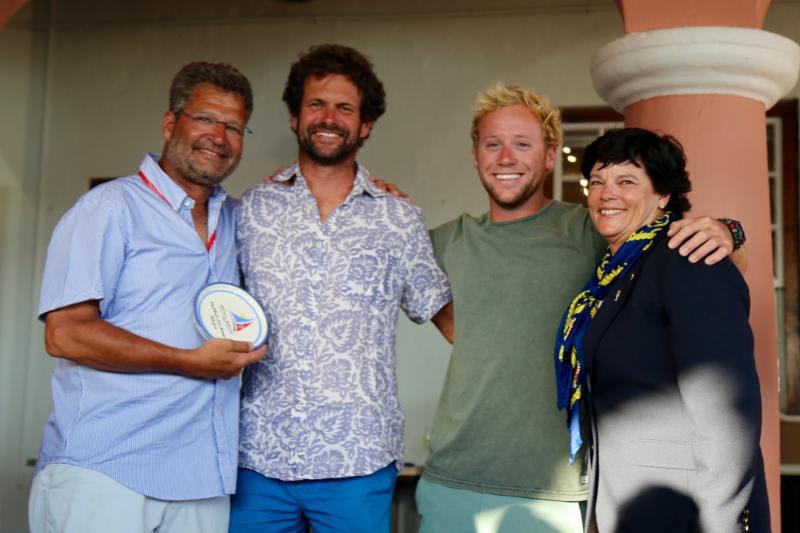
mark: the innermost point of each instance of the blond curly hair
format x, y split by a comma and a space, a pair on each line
502, 95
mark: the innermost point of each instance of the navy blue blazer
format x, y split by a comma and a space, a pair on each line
675, 400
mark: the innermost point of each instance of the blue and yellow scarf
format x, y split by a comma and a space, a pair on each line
569, 357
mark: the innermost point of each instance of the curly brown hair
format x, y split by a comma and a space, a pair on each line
325, 59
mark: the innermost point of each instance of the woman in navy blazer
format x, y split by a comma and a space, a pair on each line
667, 354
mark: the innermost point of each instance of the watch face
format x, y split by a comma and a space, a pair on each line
224, 311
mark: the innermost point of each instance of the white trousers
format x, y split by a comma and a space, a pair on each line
72, 499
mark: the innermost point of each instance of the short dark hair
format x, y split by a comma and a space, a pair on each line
325, 59
661, 156
221, 75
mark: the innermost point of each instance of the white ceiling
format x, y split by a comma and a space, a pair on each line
70, 13
93, 12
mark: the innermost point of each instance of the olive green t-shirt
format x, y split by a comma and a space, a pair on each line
497, 428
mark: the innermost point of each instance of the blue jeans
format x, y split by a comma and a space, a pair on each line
353, 504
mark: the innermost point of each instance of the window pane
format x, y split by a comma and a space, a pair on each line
772, 199
771, 147
573, 192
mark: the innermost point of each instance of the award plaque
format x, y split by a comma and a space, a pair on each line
224, 311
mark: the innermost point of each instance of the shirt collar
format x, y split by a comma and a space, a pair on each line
173, 192
362, 184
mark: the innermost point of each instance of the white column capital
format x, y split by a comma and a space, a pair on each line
696, 60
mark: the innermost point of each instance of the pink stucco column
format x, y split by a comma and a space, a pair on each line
703, 71
8, 8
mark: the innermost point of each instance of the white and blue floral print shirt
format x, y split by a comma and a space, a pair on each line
323, 403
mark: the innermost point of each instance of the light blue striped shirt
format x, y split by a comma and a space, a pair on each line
162, 435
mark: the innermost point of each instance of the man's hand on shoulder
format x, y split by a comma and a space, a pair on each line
221, 358
701, 238
272, 178
389, 188
385, 186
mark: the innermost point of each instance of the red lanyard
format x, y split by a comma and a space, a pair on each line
211, 240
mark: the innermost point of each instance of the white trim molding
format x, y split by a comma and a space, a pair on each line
696, 60
790, 469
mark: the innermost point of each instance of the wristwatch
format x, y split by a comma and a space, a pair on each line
737, 231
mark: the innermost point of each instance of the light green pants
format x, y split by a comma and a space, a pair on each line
448, 510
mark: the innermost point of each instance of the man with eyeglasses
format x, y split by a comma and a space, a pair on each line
332, 259
144, 431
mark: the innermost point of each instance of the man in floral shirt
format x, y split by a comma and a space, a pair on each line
331, 258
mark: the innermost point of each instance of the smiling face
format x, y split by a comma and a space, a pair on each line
621, 200
513, 161
329, 128
203, 152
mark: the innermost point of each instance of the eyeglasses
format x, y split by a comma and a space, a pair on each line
208, 123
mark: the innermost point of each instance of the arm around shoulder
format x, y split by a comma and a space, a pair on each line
703, 237
445, 321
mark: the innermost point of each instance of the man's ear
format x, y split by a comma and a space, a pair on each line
550, 154
475, 157
364, 130
168, 125
293, 123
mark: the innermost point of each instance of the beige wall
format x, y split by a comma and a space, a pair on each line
106, 89
22, 71
110, 86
